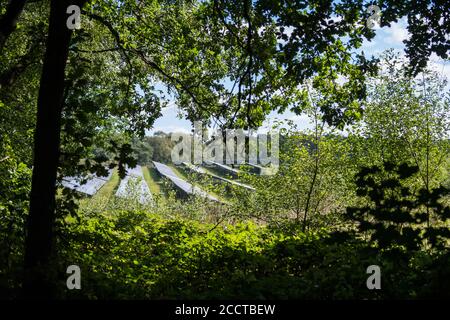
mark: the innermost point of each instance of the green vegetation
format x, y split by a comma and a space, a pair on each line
139, 255
367, 184
155, 148
110, 187
153, 180
180, 172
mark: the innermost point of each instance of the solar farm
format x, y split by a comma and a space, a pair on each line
137, 185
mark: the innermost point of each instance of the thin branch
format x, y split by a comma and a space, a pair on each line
119, 42
96, 51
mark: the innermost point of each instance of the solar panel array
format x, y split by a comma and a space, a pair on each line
134, 184
225, 168
180, 183
239, 184
202, 171
164, 170
194, 168
92, 185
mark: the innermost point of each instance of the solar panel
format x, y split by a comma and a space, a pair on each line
145, 194
180, 183
233, 182
123, 186
164, 170
134, 183
189, 188
228, 169
136, 171
203, 171
194, 168
90, 187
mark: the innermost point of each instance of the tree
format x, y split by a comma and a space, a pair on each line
55, 91
277, 45
20, 69
46, 152
8, 21
143, 151
162, 146
312, 181
428, 24
396, 214
405, 120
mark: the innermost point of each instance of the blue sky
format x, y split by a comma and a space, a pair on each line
386, 38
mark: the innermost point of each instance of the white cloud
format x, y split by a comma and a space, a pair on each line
170, 107
442, 67
369, 44
396, 33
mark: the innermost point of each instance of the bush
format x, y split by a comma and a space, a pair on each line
135, 255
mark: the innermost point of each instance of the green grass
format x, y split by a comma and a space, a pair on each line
100, 200
216, 172
153, 180
179, 172
109, 188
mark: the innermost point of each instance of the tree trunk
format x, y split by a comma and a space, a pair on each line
38, 246
8, 21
